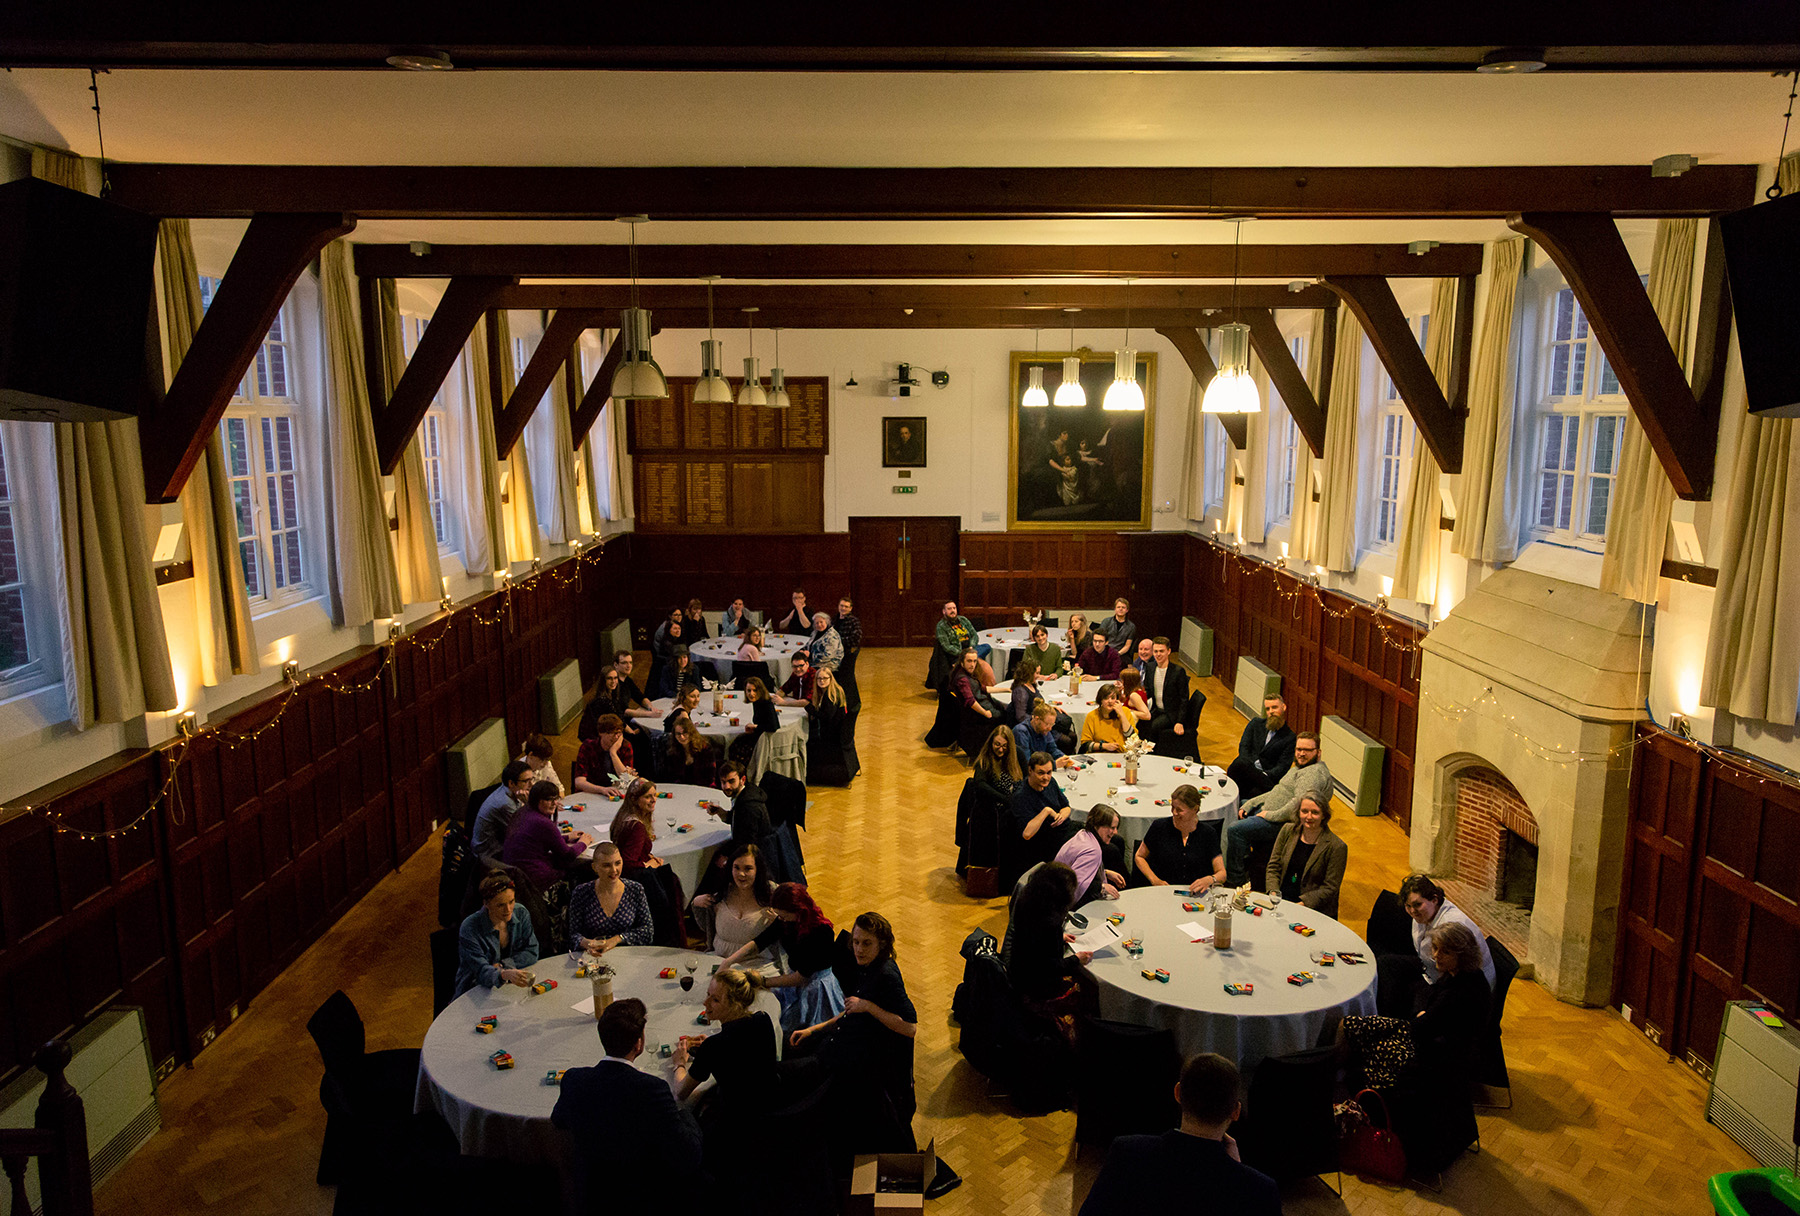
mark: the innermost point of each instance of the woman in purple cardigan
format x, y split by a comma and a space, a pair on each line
536, 846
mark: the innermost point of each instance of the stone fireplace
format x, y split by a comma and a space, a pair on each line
1529, 693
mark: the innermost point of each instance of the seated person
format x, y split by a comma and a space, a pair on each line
1181, 851
827, 709
798, 689
1118, 630
678, 674
1040, 816
809, 991
1308, 863
1163, 1173
1260, 818
1099, 659
1047, 654
668, 635
956, 633
1431, 909
798, 618
966, 686
495, 944
1167, 685
636, 704
605, 760
1041, 969
1131, 692
1038, 734
693, 623
1264, 752
1109, 726
633, 829
1077, 638
1086, 854
687, 703
497, 813
764, 720
735, 621
535, 846
691, 758
751, 649
748, 814
740, 911
824, 647
537, 754
611, 910
1448, 1014
1025, 692
996, 772
1142, 661
741, 1058
615, 1112
616, 695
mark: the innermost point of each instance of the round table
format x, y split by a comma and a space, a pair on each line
1275, 1019
719, 727
685, 852
505, 1113
1006, 644
1158, 777
778, 650
1056, 692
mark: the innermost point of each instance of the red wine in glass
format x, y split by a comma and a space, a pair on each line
687, 983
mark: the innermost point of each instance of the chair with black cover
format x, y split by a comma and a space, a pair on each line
1125, 1079
1186, 745
1389, 930
1288, 1130
367, 1095
1012, 900
473, 806
743, 669
1022, 1052
1490, 1083
1397, 967
846, 678
454, 873
850, 756
827, 756
444, 959
787, 799
946, 726
973, 729
937, 672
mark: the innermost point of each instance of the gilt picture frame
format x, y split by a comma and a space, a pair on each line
1079, 468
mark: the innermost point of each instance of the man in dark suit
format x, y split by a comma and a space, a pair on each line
632, 1139
1167, 687
1265, 752
1198, 1162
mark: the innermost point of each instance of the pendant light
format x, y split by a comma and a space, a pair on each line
638, 377
1070, 392
1035, 397
752, 391
1124, 393
1232, 391
712, 388
778, 398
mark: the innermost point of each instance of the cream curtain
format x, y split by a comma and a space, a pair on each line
1486, 526
484, 523
226, 637
1252, 501
519, 508
1417, 551
1637, 525
1752, 648
549, 427
1193, 464
116, 647
364, 584
1334, 535
613, 415
415, 543
1303, 523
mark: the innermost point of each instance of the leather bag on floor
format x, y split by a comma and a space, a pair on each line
1368, 1148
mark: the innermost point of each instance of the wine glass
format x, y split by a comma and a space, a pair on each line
687, 981
1275, 902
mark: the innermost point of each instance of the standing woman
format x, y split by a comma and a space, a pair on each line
1111, 726
763, 720
809, 992
634, 831
611, 910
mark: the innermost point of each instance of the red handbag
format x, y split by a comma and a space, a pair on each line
1369, 1148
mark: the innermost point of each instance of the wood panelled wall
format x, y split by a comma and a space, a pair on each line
1336, 655
1006, 573
283, 812
1710, 908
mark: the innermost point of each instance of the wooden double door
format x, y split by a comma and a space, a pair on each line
904, 570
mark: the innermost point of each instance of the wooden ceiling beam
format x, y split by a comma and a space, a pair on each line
275, 249
1395, 343
586, 412
464, 302
1683, 429
1191, 344
1051, 321
730, 299
815, 193
560, 335
1287, 378
918, 261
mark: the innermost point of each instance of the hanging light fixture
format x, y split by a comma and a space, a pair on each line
1124, 393
778, 398
712, 388
752, 391
638, 377
1035, 398
1232, 391
1070, 392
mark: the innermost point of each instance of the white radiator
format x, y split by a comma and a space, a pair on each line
559, 697
1196, 645
616, 637
1355, 763
112, 1073
1254, 682
475, 761
1753, 1085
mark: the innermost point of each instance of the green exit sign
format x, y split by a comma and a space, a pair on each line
906, 489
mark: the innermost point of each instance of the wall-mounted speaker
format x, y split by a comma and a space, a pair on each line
76, 276
1762, 259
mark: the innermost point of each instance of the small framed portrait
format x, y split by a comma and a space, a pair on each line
902, 443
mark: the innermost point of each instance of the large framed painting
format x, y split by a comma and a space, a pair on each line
1079, 467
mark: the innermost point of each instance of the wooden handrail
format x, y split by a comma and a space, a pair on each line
58, 1141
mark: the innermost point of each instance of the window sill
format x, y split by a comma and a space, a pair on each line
1555, 559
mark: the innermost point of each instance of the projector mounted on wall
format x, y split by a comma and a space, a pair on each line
905, 381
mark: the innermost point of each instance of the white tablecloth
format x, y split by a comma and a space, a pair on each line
1143, 804
1006, 643
1277, 1018
1057, 693
506, 1113
778, 650
685, 852
784, 752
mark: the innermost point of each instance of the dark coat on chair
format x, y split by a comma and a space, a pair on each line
616, 1114
1324, 873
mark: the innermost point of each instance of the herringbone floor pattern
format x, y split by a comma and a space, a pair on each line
1602, 1122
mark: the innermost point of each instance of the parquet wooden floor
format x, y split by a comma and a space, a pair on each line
1602, 1121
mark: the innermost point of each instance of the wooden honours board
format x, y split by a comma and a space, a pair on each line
727, 467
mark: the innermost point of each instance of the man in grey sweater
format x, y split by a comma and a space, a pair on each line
1260, 818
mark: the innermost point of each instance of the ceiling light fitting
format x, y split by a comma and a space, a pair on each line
1673, 165
1069, 392
778, 397
638, 377
1512, 59
1232, 391
752, 391
711, 388
1035, 398
420, 61
1124, 393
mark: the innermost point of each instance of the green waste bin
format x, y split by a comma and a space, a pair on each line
1755, 1193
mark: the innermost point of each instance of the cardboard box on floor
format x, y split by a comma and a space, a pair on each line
891, 1182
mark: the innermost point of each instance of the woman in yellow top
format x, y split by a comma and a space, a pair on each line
1111, 726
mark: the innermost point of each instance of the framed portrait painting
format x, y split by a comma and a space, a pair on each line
903, 443
1079, 466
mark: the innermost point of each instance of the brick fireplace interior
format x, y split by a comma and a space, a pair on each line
1495, 879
